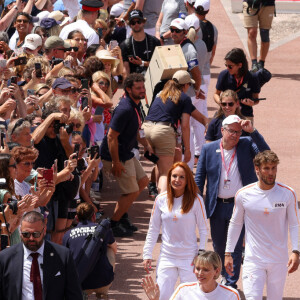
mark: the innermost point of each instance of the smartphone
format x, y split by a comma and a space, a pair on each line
98, 111
95, 151
30, 92
14, 79
48, 176
151, 157
84, 102
67, 64
84, 83
76, 150
133, 56
20, 61
258, 99
113, 44
38, 70
100, 32
3, 63
2, 139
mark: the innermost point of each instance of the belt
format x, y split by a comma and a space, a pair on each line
227, 200
159, 123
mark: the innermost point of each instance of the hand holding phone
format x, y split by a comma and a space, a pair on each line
48, 176
38, 70
151, 157
95, 152
76, 150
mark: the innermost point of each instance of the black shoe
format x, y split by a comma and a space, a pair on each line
153, 192
260, 65
254, 68
120, 231
125, 222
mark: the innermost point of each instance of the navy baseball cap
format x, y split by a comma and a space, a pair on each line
61, 83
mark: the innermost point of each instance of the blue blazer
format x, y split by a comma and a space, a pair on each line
60, 279
210, 165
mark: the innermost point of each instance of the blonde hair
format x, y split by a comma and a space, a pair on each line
101, 22
209, 258
191, 35
39, 59
100, 74
172, 91
65, 71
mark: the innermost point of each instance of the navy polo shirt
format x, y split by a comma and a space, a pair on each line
169, 111
125, 121
249, 86
102, 274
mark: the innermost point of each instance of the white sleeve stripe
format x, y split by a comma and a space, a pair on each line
203, 214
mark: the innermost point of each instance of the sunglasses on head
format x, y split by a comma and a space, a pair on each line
36, 234
136, 22
175, 30
17, 124
229, 66
224, 104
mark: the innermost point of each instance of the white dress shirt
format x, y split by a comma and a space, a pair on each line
27, 287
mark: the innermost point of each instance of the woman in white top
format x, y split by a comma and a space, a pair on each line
207, 268
177, 213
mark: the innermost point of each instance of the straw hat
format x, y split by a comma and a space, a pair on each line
106, 55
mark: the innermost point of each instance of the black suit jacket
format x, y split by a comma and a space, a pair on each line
60, 279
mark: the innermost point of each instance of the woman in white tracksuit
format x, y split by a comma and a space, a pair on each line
177, 213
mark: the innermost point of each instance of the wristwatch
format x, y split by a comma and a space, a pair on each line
162, 37
15, 7
142, 64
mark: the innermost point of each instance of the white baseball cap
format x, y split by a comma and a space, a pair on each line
231, 119
32, 41
192, 21
183, 77
117, 9
179, 23
204, 3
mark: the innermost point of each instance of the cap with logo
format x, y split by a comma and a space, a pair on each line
179, 23
91, 5
61, 83
32, 41
183, 77
54, 41
136, 14
231, 119
204, 3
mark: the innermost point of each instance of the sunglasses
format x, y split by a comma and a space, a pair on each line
75, 49
229, 66
18, 124
13, 166
103, 83
78, 125
28, 163
135, 22
75, 90
22, 21
37, 124
76, 133
36, 234
176, 30
224, 104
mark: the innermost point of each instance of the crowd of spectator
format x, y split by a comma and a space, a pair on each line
61, 63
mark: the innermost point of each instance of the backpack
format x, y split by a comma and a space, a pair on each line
90, 250
208, 34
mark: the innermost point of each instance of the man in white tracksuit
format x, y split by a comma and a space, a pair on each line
269, 209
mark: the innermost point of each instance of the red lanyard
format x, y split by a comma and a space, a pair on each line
139, 118
223, 160
239, 82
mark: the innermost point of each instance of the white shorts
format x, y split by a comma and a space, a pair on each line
168, 270
256, 274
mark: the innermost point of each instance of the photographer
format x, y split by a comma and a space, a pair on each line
47, 139
100, 278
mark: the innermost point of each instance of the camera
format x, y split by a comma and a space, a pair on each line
13, 204
57, 125
55, 61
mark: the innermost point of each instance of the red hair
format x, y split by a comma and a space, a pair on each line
190, 191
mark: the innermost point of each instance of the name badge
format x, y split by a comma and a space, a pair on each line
279, 205
142, 133
226, 184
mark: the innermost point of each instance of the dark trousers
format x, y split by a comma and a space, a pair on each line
219, 223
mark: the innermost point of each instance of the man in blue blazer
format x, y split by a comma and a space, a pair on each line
57, 276
227, 165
